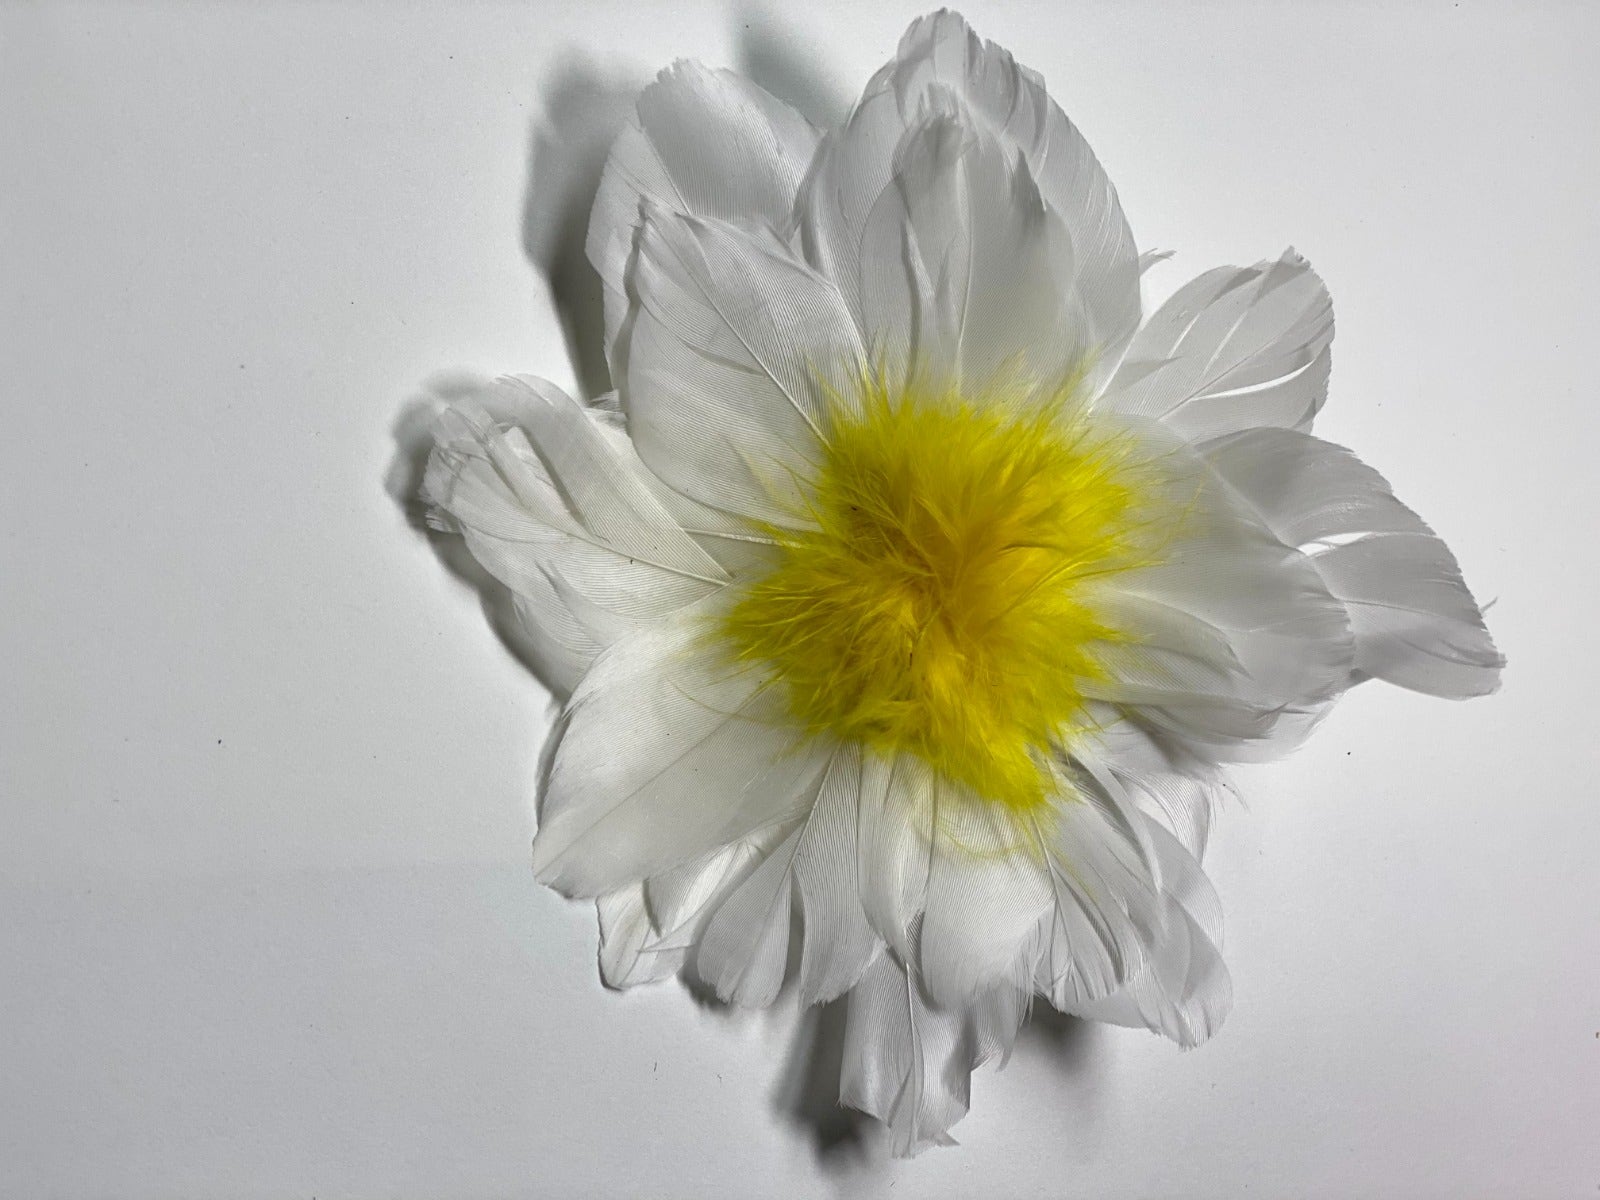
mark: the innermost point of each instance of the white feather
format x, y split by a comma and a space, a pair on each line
855, 169
627, 957
739, 550
680, 899
570, 522
709, 759
905, 1062
1107, 913
987, 889
909, 1062
734, 350
1414, 620
744, 949
963, 274
1168, 781
839, 941
1231, 635
603, 486
1236, 348
1183, 991
894, 830
707, 143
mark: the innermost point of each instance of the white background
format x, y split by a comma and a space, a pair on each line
266, 922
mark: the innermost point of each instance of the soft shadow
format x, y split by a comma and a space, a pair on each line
584, 109
1065, 1039
770, 52
704, 995
1074, 1051
808, 1095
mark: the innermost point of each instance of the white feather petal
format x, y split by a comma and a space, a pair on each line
665, 754
856, 169
995, 1015
964, 274
707, 143
1183, 991
558, 647
744, 950
1236, 348
905, 1062
839, 940
1167, 780
648, 929
987, 890
737, 549
681, 898
735, 348
894, 831
1107, 912
550, 507
604, 486
627, 957
1414, 620
909, 1062
1416, 624
1232, 639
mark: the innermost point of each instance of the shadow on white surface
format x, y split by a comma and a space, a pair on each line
808, 1092
767, 52
584, 108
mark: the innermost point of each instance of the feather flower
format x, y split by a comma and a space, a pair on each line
911, 590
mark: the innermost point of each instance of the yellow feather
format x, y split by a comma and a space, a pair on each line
940, 603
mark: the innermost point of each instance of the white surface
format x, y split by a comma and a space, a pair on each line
266, 924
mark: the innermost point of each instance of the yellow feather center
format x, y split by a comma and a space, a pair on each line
941, 603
